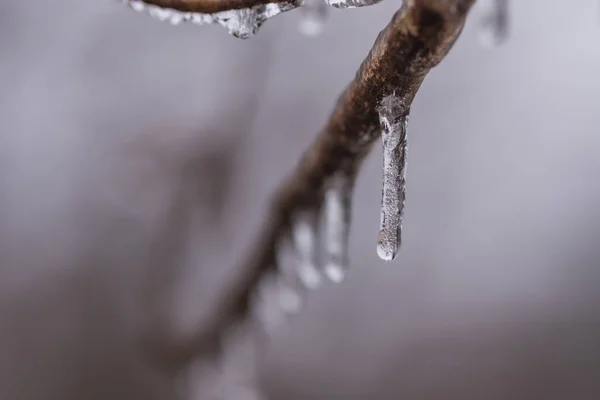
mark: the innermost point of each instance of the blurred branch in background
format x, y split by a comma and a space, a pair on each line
419, 36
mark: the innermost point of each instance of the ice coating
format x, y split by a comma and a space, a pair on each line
314, 16
304, 237
336, 215
242, 23
351, 3
393, 118
494, 25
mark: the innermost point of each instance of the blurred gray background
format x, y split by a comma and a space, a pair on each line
137, 160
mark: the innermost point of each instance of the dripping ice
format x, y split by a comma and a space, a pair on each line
336, 216
242, 23
313, 18
494, 24
393, 118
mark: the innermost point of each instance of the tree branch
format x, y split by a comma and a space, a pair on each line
418, 37
209, 6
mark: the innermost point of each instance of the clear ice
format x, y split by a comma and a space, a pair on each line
336, 215
242, 23
313, 18
351, 3
393, 118
494, 25
304, 237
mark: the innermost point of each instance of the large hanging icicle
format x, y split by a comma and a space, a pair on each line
393, 117
314, 16
242, 23
336, 215
494, 25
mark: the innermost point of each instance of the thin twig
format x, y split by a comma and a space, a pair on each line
209, 6
419, 36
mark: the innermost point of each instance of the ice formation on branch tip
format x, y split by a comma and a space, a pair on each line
393, 118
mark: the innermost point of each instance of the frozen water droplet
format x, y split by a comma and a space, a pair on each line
335, 273
160, 14
304, 236
336, 215
242, 23
494, 25
351, 3
314, 16
177, 18
393, 117
137, 5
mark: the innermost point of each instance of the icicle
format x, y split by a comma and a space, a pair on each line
314, 16
337, 222
494, 25
289, 282
137, 5
272, 302
265, 306
393, 117
304, 236
351, 3
242, 23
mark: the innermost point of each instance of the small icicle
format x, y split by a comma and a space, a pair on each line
289, 285
336, 215
242, 23
494, 25
265, 305
313, 18
137, 5
393, 118
351, 3
304, 237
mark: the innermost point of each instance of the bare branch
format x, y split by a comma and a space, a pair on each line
418, 37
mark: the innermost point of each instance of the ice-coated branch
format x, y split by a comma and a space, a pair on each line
209, 6
418, 37
242, 18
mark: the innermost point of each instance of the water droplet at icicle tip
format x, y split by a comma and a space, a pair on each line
393, 118
313, 16
336, 218
493, 30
